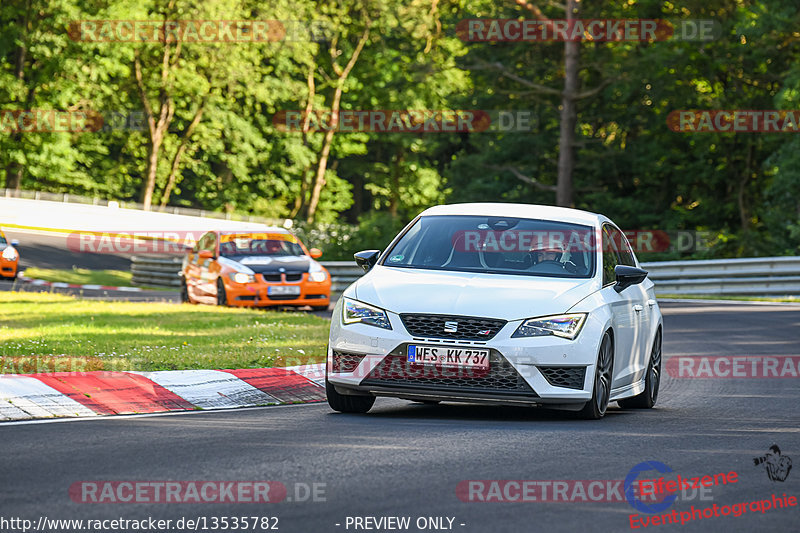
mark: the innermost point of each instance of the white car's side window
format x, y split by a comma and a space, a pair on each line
610, 258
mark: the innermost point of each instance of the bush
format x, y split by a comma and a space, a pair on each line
333, 238
339, 241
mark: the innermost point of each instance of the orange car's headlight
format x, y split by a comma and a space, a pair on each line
318, 276
241, 277
10, 254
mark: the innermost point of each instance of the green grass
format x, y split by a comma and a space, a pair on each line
731, 297
44, 332
82, 276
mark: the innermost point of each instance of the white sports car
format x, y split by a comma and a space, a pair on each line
499, 303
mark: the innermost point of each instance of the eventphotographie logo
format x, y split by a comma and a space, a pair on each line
634, 498
777, 466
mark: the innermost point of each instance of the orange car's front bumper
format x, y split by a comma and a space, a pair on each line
8, 269
257, 294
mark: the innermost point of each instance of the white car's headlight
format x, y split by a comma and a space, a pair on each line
566, 326
10, 254
319, 276
241, 277
353, 311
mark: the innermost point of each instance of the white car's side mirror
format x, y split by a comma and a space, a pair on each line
367, 259
627, 276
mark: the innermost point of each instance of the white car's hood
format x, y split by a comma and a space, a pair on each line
406, 290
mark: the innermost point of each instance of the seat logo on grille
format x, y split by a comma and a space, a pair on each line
484, 332
450, 327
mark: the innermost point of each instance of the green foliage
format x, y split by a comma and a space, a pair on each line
375, 231
334, 239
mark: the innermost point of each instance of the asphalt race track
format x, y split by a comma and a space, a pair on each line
95, 294
406, 459
45, 250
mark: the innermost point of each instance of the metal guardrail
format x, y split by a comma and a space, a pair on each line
156, 271
761, 276
757, 276
164, 272
343, 273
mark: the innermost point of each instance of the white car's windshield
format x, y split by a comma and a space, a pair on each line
498, 245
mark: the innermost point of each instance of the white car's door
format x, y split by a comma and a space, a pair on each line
628, 310
644, 306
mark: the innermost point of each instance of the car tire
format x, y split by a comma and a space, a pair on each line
601, 389
222, 296
345, 403
185, 292
648, 397
319, 307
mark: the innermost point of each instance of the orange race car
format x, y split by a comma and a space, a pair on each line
254, 269
9, 258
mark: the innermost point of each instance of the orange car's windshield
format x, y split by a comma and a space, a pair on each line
245, 246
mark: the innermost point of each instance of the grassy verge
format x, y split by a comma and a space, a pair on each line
83, 276
730, 297
42, 332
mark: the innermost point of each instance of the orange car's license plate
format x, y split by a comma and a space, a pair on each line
284, 290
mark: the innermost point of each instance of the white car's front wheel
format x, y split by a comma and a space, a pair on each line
345, 403
596, 407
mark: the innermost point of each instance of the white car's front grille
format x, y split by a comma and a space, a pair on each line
502, 377
451, 326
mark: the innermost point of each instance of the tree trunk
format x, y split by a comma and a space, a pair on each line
15, 171
14, 177
176, 161
157, 129
151, 170
301, 200
319, 178
566, 160
394, 192
744, 219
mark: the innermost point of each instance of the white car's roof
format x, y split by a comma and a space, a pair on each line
542, 212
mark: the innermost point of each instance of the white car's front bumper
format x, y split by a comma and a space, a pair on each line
530, 361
